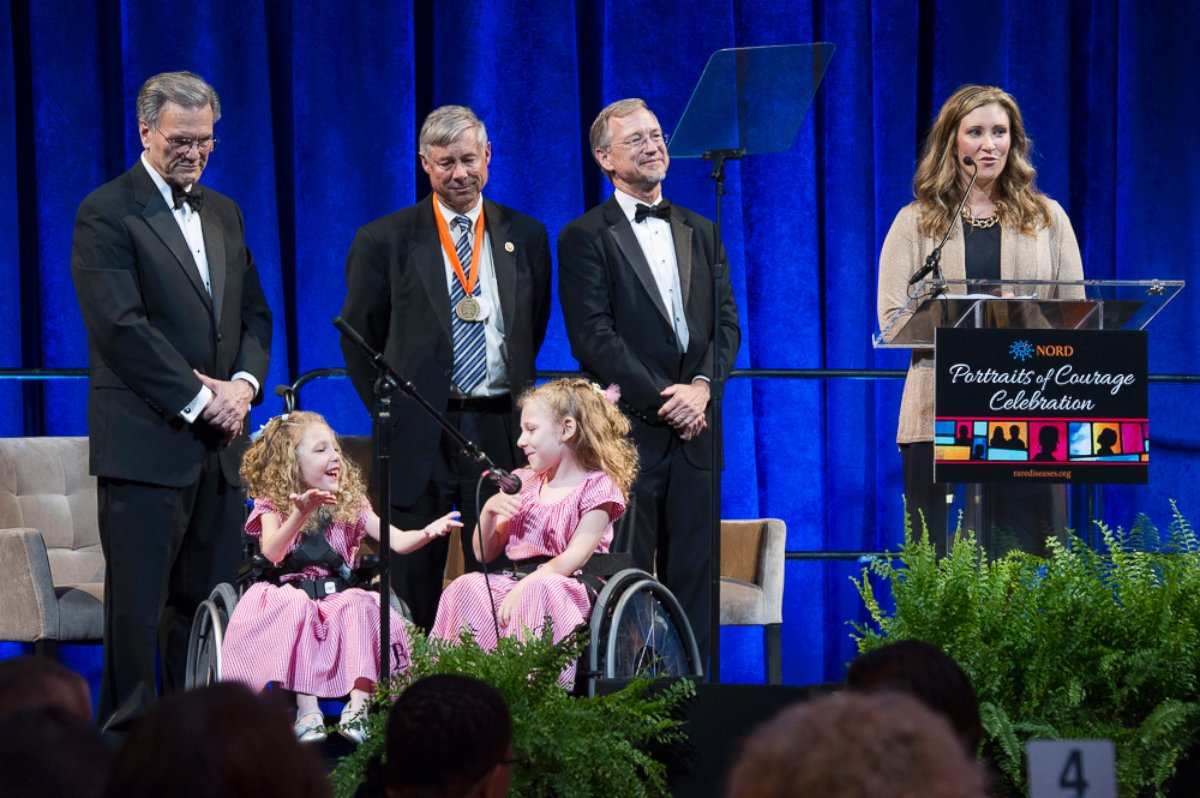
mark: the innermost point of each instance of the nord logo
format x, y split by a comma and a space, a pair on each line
1057, 350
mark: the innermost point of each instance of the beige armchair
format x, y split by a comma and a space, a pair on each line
51, 564
752, 555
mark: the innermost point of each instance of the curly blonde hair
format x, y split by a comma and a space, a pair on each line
602, 438
937, 184
271, 468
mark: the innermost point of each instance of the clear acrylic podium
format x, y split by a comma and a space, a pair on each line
1022, 304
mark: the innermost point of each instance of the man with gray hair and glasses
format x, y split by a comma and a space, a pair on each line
179, 339
635, 281
455, 292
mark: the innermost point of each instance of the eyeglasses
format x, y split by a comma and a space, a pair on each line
639, 141
183, 145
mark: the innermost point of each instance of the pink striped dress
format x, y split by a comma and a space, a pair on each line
278, 634
538, 529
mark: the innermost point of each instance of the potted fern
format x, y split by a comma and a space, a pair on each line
1079, 644
570, 746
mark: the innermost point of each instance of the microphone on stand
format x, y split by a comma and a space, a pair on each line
933, 260
508, 483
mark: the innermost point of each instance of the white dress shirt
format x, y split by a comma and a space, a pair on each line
188, 220
658, 245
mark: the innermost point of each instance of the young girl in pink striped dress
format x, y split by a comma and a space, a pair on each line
323, 647
581, 466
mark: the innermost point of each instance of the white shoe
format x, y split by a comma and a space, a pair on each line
310, 728
351, 724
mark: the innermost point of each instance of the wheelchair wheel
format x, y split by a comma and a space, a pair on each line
638, 630
400, 605
207, 636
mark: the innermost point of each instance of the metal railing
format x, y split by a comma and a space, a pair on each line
787, 374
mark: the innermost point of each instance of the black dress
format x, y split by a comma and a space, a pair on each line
1007, 516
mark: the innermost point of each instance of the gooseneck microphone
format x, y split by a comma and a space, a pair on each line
507, 482
933, 260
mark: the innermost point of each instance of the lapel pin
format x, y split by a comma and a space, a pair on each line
508, 246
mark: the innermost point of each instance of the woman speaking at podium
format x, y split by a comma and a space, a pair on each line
978, 207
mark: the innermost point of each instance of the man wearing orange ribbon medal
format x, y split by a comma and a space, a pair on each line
455, 291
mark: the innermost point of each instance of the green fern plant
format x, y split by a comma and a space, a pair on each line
570, 746
1079, 644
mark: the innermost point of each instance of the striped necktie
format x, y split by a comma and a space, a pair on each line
470, 342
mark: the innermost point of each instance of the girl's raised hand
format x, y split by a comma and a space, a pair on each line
443, 525
308, 501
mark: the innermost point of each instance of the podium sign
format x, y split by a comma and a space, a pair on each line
1042, 405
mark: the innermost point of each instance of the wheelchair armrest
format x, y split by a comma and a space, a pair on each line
255, 568
608, 564
367, 568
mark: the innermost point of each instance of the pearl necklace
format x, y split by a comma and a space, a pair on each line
979, 224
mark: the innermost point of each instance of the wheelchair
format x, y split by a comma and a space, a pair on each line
207, 635
637, 628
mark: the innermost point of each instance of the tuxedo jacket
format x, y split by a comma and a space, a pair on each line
620, 330
150, 321
398, 300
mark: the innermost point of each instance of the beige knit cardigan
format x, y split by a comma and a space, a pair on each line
1052, 254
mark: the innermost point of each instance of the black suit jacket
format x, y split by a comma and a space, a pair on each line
398, 299
621, 332
150, 322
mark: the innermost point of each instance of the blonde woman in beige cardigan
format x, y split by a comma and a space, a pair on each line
1008, 230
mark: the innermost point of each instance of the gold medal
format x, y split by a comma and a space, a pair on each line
468, 308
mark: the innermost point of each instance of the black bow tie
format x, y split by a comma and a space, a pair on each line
662, 210
195, 198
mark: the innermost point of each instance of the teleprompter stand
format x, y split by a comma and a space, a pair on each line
749, 100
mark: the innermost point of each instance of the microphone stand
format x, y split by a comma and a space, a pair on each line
933, 261
385, 384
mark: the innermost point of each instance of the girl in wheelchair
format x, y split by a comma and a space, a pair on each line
310, 630
581, 467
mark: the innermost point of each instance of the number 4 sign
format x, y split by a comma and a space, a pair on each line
1071, 769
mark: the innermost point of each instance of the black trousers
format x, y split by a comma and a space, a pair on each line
670, 529
924, 498
417, 577
1020, 516
165, 548
1003, 516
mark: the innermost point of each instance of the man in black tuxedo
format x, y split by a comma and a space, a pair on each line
179, 338
635, 281
459, 308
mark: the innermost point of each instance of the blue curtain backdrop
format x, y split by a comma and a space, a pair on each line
322, 102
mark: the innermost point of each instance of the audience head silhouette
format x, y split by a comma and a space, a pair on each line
854, 745
214, 742
448, 736
51, 752
27, 682
927, 672
51, 749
